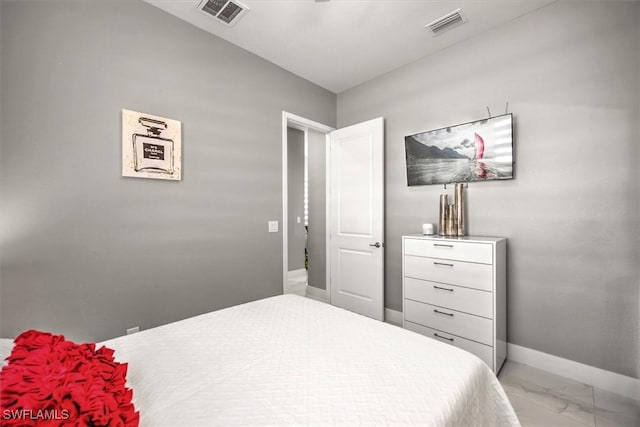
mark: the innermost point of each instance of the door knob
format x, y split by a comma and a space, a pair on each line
376, 244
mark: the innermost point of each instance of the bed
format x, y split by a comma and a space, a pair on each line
290, 360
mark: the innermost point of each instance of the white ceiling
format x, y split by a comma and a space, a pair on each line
339, 44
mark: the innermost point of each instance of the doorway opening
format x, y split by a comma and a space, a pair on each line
305, 214
344, 262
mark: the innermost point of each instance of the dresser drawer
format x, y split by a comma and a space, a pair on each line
484, 352
457, 298
450, 249
454, 322
468, 274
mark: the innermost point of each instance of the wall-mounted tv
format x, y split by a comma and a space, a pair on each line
476, 151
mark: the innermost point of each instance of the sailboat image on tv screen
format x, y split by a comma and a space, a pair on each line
475, 151
479, 145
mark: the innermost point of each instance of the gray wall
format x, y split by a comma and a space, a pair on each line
1, 210
88, 253
296, 237
571, 213
317, 238
638, 205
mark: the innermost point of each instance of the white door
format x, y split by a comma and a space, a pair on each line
357, 212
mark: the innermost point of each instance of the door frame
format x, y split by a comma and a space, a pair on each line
290, 120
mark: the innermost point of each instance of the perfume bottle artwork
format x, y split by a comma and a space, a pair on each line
153, 153
151, 146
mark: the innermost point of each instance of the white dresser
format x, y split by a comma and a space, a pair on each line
454, 290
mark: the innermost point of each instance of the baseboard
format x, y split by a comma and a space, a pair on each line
393, 316
317, 293
600, 378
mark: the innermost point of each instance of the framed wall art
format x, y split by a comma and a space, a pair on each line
151, 146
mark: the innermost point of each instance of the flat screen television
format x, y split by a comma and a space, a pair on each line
476, 151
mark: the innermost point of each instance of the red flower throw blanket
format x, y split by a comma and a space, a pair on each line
50, 381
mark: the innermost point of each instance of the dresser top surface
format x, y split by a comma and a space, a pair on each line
479, 239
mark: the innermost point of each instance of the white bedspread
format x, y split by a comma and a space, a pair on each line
290, 360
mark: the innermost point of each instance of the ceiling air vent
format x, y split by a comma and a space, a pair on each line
226, 11
447, 21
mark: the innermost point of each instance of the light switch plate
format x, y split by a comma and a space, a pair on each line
273, 226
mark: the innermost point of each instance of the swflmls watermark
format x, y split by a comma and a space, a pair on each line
39, 415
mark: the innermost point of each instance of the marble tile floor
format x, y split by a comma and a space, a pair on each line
542, 399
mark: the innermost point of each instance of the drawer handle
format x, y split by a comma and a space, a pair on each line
442, 312
443, 289
442, 246
444, 338
443, 263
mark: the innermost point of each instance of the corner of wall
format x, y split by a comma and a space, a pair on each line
1, 204
638, 172
335, 111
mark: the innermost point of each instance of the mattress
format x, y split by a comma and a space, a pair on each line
289, 360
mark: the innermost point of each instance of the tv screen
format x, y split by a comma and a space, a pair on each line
475, 151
